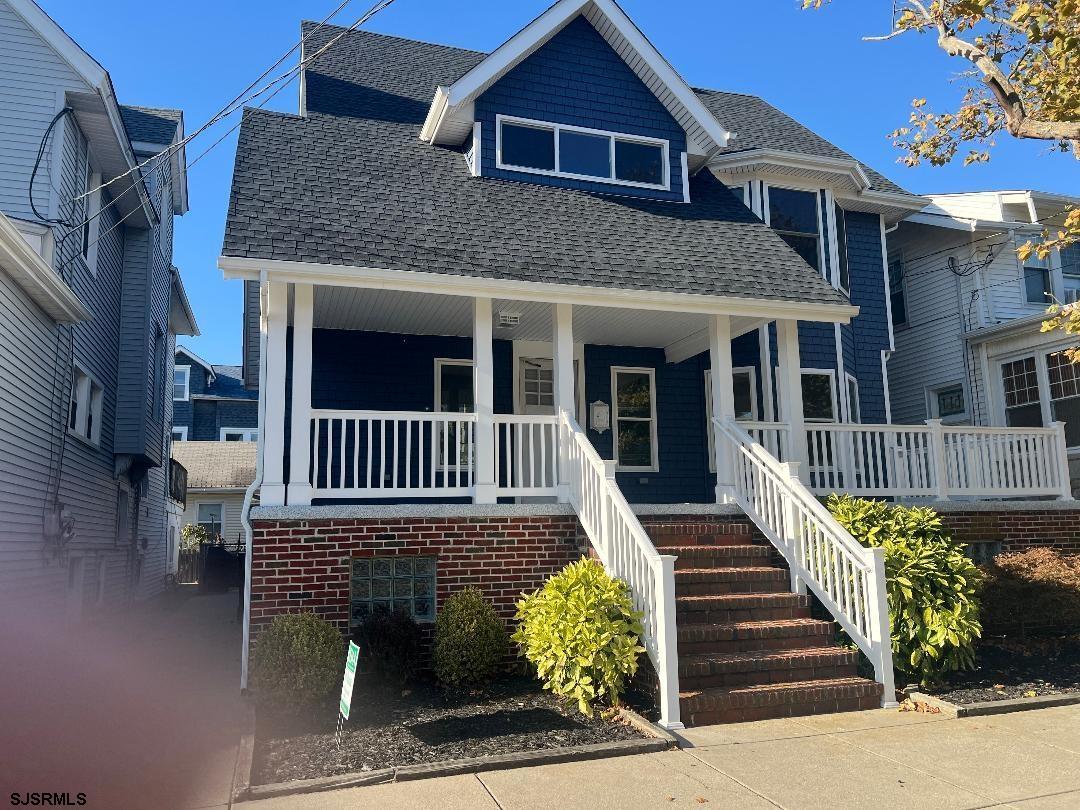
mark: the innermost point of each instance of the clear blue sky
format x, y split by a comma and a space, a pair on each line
197, 55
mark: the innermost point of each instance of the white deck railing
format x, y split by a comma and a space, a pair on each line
379, 454
626, 552
526, 455
773, 436
821, 554
937, 461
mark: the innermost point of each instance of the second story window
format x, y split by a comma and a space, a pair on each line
1037, 282
181, 385
897, 298
585, 154
793, 214
84, 412
843, 276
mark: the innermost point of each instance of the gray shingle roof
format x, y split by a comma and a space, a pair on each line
352, 184
229, 382
759, 125
217, 465
150, 124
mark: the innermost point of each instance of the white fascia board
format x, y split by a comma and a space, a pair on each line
435, 115
988, 333
911, 202
533, 35
180, 348
233, 267
185, 312
848, 167
37, 278
971, 225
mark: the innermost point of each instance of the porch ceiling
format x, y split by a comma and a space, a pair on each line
377, 310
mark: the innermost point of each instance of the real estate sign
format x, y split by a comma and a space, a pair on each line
347, 682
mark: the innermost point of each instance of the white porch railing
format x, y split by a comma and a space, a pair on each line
626, 552
821, 554
773, 436
526, 455
937, 461
379, 454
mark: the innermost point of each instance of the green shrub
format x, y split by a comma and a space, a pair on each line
1034, 589
932, 585
192, 535
470, 639
393, 643
581, 633
297, 661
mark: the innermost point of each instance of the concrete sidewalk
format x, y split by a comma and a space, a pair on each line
882, 760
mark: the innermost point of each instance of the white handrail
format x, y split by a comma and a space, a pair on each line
526, 454
846, 577
626, 552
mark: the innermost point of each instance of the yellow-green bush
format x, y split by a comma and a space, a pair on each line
581, 633
932, 585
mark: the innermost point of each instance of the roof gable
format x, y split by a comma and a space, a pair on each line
450, 116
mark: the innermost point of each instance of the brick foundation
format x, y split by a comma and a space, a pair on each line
303, 565
1017, 529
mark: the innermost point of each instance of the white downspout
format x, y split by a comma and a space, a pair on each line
245, 512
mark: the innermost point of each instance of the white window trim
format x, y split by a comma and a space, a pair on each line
850, 379
752, 373
187, 383
248, 434
1033, 264
96, 405
182, 430
897, 255
1041, 376
834, 239
831, 374
823, 268
93, 206
615, 371
557, 128
932, 392
439, 363
220, 506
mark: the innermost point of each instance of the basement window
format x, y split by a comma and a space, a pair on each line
579, 153
388, 584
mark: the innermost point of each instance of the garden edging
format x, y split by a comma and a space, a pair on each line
988, 707
660, 740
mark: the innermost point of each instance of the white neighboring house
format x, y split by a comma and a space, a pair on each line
967, 315
218, 475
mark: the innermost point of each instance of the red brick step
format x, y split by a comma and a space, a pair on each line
706, 671
741, 607
747, 636
708, 581
719, 556
764, 701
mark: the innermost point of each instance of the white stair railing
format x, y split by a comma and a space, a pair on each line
626, 552
846, 577
526, 454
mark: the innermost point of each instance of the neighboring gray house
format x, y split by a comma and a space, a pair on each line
967, 315
89, 308
211, 403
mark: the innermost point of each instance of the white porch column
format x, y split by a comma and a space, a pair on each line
484, 400
272, 492
723, 402
562, 346
300, 438
789, 385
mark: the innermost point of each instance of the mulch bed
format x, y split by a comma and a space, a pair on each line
1016, 667
426, 723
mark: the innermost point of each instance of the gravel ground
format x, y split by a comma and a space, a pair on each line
1013, 668
426, 723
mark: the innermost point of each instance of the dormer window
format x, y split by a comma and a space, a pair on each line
559, 150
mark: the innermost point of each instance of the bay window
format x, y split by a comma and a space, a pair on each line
577, 152
1020, 381
633, 392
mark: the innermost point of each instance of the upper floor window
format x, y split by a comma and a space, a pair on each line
179, 433
793, 214
580, 153
239, 434
181, 386
843, 276
1037, 288
84, 411
897, 298
1070, 277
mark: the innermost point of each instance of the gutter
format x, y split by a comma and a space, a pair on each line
249, 494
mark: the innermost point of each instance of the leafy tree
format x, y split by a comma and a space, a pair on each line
1023, 78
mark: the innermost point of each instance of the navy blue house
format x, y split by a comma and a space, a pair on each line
211, 402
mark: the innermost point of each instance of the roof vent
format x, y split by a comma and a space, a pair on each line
507, 319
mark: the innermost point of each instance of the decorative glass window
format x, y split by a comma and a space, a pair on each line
897, 299
843, 276
743, 381
794, 216
819, 396
1037, 288
634, 395
181, 386
387, 584
239, 434
1020, 381
1064, 380
84, 410
948, 402
577, 152
538, 383
209, 516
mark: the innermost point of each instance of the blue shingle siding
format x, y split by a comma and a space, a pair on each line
869, 332
577, 79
